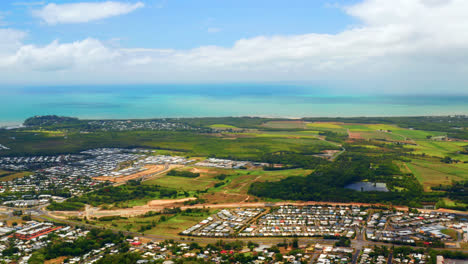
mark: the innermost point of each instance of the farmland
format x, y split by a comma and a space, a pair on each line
302, 159
429, 177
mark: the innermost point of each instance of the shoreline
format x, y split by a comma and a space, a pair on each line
18, 124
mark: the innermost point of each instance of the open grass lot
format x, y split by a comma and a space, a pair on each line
429, 177
223, 126
332, 125
204, 181
327, 126
451, 232
382, 127
168, 224
357, 127
191, 144
236, 183
379, 135
283, 134
10, 175
450, 203
440, 148
242, 179
458, 169
183, 183
49, 133
128, 224
176, 224
417, 134
285, 124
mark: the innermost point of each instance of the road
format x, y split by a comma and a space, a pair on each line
356, 256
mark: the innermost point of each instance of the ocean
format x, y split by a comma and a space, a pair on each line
197, 100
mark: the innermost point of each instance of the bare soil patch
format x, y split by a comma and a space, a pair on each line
58, 260
150, 169
354, 135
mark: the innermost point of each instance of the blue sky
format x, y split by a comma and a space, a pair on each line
186, 24
370, 45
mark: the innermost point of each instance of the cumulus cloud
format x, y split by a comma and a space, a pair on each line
88, 54
83, 12
397, 45
10, 40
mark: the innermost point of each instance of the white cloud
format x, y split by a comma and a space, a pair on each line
399, 45
86, 54
83, 12
28, 4
10, 40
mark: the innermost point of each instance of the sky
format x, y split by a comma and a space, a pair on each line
379, 46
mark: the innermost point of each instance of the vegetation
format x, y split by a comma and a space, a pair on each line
410, 154
93, 240
186, 174
328, 182
133, 190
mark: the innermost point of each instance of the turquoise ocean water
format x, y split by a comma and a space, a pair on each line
153, 101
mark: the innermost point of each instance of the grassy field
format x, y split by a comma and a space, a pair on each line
450, 232
440, 148
223, 126
10, 175
325, 126
283, 134
191, 144
242, 179
429, 177
417, 134
177, 224
160, 225
285, 124
183, 183
458, 169
382, 127
357, 127
236, 182
204, 181
381, 135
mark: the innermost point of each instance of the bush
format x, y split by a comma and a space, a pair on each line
186, 174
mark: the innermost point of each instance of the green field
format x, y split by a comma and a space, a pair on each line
161, 224
237, 181
371, 151
440, 149
457, 169
241, 181
332, 127
10, 175
378, 135
183, 183
285, 124
176, 224
382, 127
357, 127
430, 177
191, 144
417, 134
223, 126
